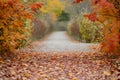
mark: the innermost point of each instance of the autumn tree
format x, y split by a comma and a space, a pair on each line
107, 12
52, 8
15, 24
64, 16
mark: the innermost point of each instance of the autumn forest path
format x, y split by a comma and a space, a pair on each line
72, 60
59, 41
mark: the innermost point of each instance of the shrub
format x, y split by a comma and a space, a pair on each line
85, 30
13, 25
40, 29
73, 29
107, 12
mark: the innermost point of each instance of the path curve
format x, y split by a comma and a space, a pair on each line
59, 41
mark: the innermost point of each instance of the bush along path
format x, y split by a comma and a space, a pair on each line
62, 60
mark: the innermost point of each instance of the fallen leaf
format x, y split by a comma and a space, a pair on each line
107, 73
27, 75
12, 72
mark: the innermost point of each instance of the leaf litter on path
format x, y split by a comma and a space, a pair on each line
57, 66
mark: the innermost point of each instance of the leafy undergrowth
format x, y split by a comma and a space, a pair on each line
57, 66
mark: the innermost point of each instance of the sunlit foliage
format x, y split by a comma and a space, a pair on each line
15, 24
107, 12
52, 6
85, 30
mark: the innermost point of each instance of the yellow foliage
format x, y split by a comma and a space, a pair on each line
53, 17
12, 24
51, 6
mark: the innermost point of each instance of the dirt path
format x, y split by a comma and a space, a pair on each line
60, 42
66, 64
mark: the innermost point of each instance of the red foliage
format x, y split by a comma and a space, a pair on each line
92, 17
10, 2
102, 3
77, 1
35, 6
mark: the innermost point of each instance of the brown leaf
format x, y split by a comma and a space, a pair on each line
27, 75
107, 73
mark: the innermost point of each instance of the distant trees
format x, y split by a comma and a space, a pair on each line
64, 16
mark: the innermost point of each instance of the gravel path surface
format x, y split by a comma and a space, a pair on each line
59, 41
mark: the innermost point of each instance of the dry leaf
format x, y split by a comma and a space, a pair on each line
27, 75
108, 73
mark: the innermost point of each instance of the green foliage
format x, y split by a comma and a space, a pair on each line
85, 30
29, 28
64, 16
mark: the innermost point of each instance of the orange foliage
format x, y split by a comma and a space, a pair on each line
108, 13
92, 17
35, 6
13, 29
